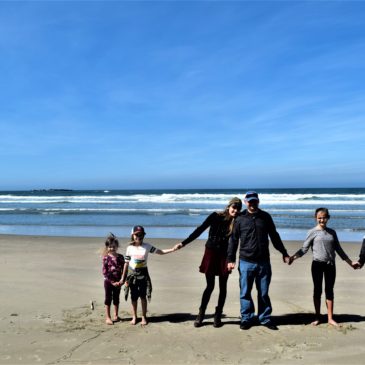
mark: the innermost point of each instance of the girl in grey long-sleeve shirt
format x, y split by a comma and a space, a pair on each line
324, 244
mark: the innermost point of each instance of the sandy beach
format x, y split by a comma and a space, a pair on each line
47, 284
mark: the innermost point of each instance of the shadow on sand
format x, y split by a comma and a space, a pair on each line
174, 318
280, 320
308, 318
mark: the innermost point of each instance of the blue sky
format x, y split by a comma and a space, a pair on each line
182, 94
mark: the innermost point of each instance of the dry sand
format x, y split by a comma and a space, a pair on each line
46, 285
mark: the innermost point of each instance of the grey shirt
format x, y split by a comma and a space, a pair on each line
324, 243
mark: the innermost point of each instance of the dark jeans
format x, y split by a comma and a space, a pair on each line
320, 269
260, 273
112, 293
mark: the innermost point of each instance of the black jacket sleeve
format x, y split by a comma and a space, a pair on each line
233, 243
275, 237
362, 253
199, 230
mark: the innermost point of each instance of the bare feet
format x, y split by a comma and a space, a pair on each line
133, 321
109, 321
144, 321
117, 319
333, 323
316, 322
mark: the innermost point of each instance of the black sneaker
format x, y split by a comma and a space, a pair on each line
245, 326
271, 326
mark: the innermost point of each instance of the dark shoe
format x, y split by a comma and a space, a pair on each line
199, 319
245, 326
271, 326
217, 318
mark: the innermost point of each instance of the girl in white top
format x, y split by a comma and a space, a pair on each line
135, 272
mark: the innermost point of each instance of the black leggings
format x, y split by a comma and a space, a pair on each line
320, 269
112, 293
209, 290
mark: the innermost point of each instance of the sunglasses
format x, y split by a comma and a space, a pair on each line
138, 234
236, 206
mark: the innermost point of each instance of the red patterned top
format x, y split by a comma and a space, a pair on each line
113, 267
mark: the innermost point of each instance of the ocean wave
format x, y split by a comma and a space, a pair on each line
85, 210
115, 199
103, 211
194, 198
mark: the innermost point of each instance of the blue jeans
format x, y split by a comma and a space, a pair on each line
260, 273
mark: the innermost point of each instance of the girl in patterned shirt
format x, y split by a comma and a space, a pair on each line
138, 281
113, 263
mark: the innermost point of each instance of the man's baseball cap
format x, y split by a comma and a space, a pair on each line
251, 195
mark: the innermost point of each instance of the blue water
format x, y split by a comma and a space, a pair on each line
171, 213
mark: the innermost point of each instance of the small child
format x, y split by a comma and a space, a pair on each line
325, 244
138, 281
113, 263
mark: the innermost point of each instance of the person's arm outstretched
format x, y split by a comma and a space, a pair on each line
166, 251
360, 262
276, 240
342, 253
307, 243
197, 231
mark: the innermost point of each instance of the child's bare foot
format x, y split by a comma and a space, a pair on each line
333, 323
109, 321
117, 319
133, 321
144, 321
316, 322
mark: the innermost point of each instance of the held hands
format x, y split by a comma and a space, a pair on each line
173, 249
356, 265
118, 283
178, 246
170, 250
288, 259
231, 266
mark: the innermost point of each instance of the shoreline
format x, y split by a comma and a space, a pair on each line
47, 284
203, 237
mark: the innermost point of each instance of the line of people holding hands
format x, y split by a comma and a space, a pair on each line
231, 230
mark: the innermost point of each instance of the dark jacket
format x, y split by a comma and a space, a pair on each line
218, 232
362, 253
253, 232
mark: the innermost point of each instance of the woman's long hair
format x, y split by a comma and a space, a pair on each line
227, 216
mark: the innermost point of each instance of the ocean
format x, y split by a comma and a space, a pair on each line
171, 213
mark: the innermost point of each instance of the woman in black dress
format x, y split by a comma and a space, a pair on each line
214, 262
